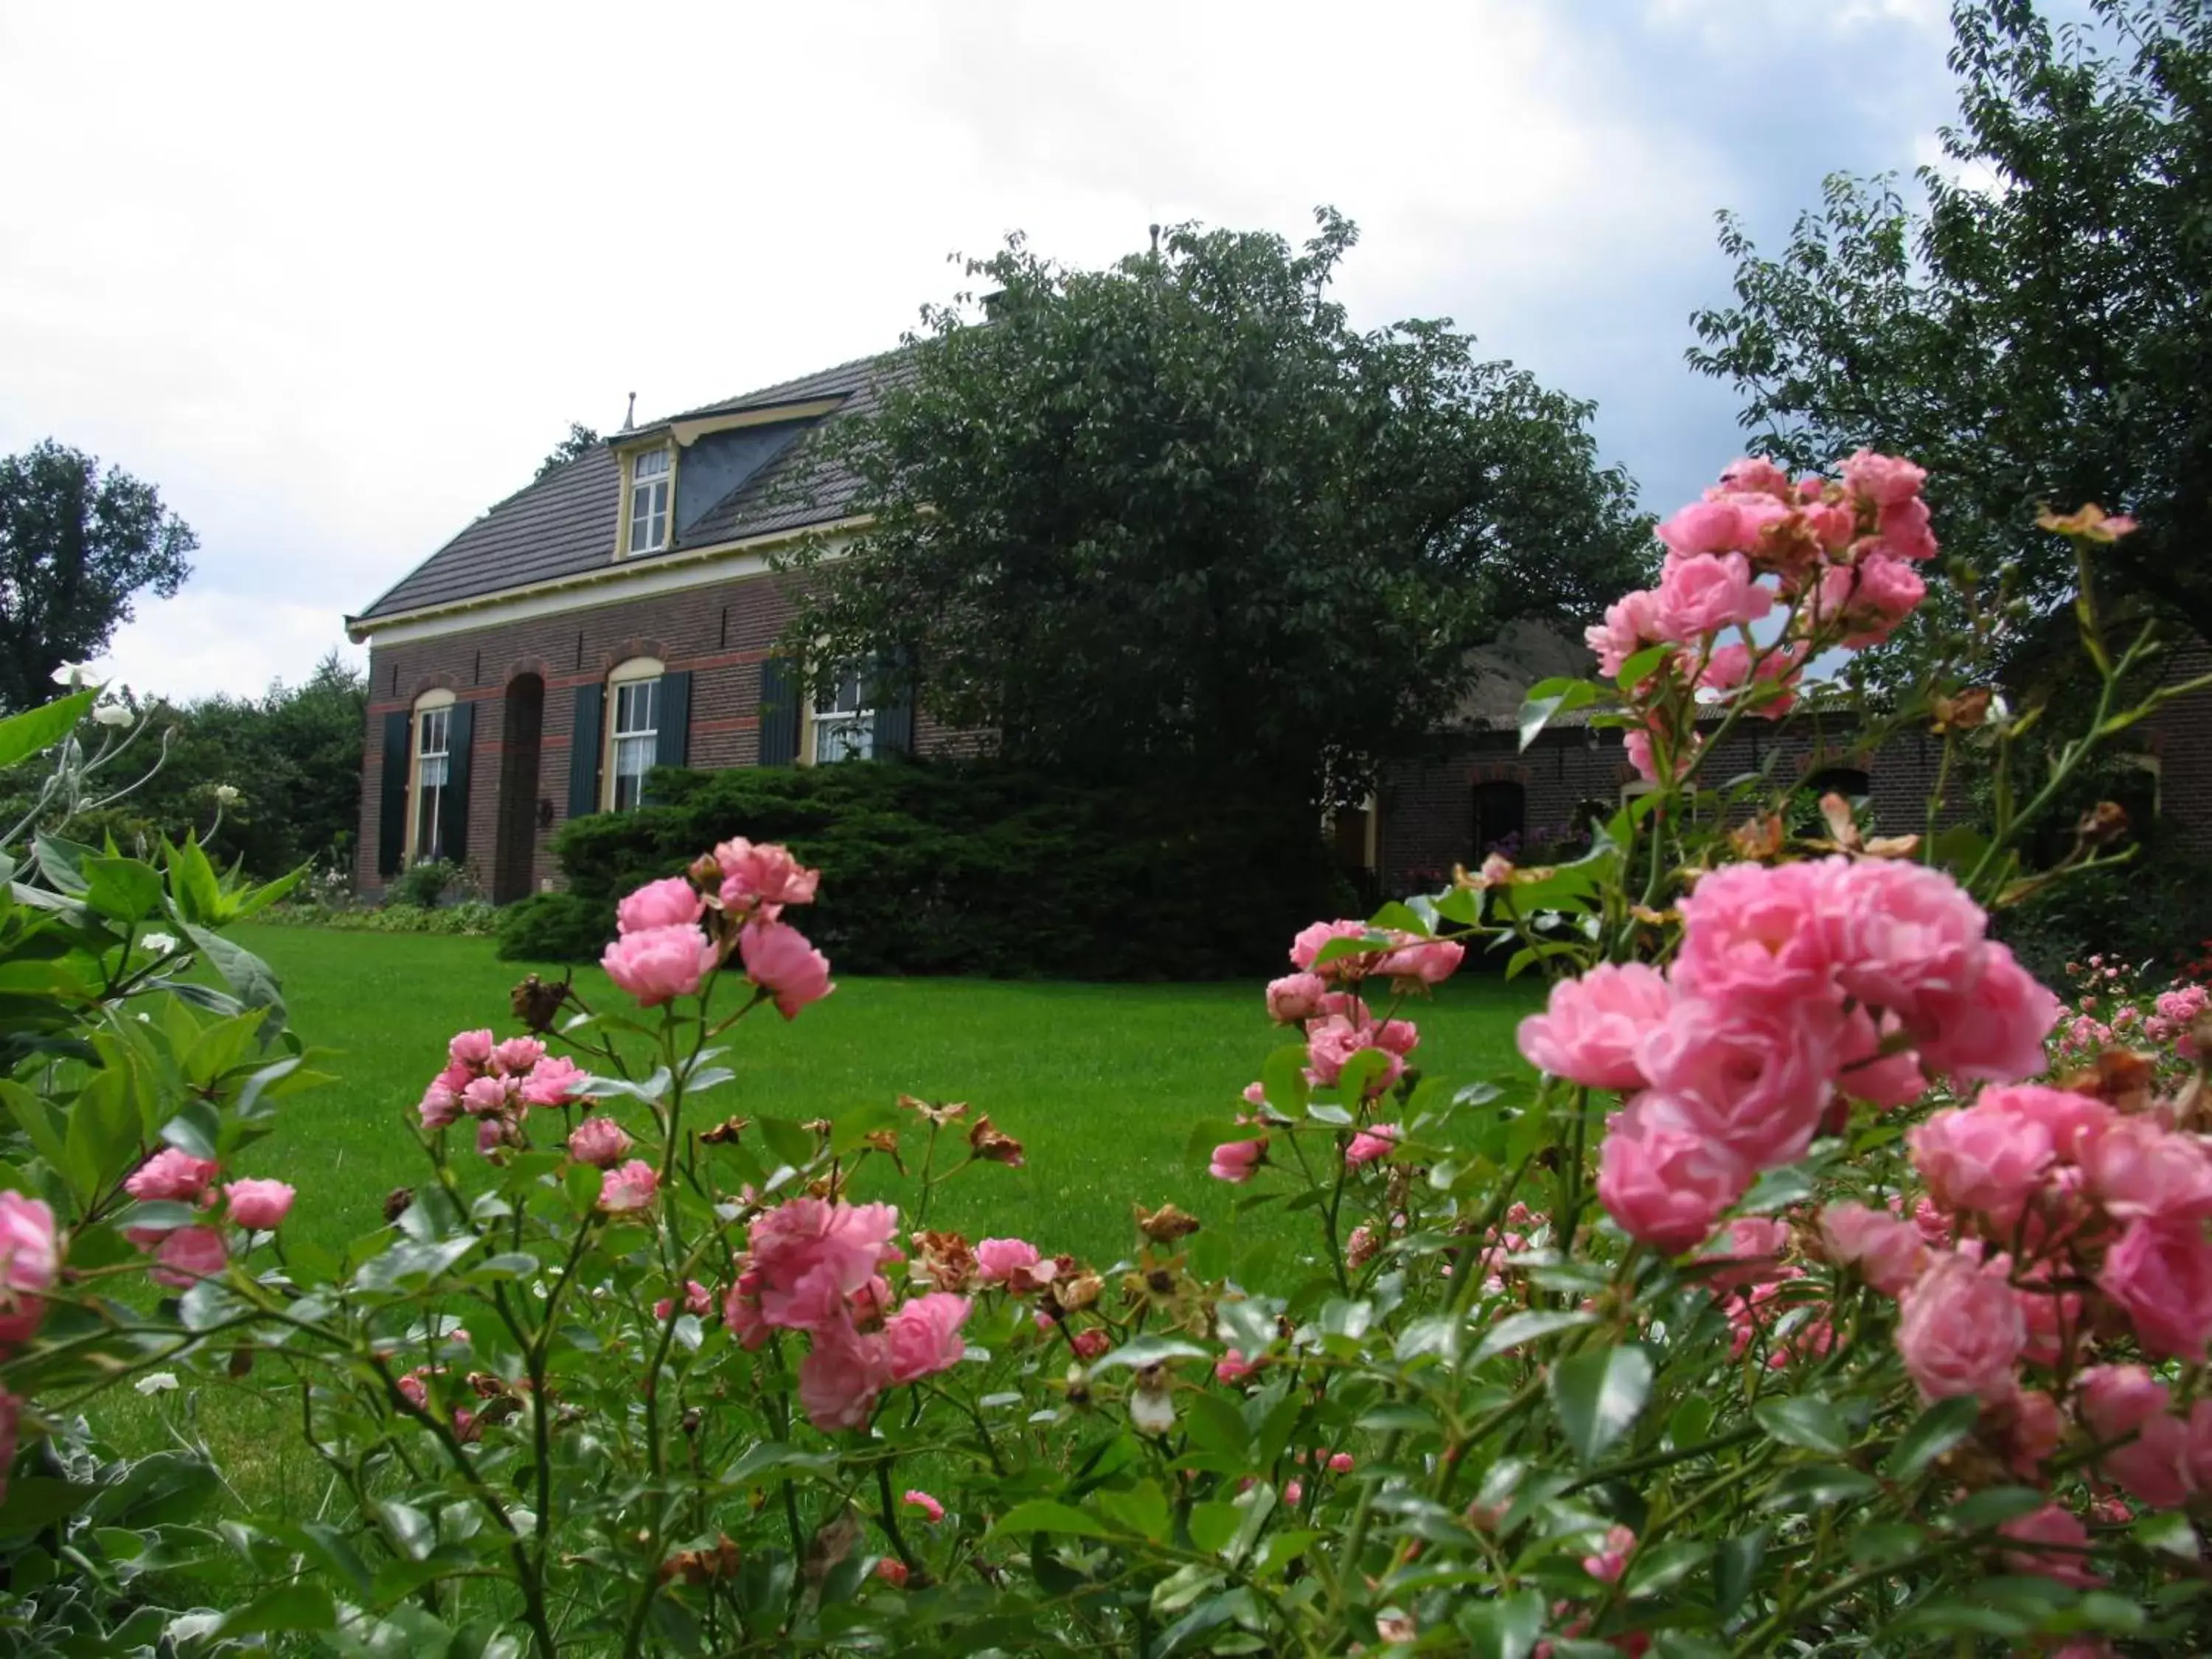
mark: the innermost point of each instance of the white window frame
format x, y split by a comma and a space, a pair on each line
433, 711
631, 683
646, 531
836, 734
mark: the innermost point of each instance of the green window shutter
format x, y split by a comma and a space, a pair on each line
673, 747
895, 708
453, 810
391, 796
584, 751
779, 713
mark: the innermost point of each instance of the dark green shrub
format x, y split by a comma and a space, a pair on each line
975, 868
471, 917
2154, 911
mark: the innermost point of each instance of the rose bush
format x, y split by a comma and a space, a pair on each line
1794, 1304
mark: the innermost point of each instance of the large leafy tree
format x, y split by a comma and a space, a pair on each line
1178, 511
77, 542
581, 441
2034, 327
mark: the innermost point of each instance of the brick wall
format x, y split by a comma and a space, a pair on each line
720, 635
2180, 736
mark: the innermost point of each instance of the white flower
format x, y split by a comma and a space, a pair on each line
1152, 1410
225, 795
78, 674
113, 713
157, 1382
160, 944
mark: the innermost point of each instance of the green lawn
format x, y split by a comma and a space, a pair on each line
1101, 1082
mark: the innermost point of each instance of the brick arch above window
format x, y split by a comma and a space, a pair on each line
441, 681
629, 649
522, 665
1498, 772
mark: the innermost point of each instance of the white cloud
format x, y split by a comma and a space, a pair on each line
205, 640
337, 279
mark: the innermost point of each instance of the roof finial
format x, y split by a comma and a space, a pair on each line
1156, 241
629, 415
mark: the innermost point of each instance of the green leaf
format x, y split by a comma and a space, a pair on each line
102, 1140
1142, 1509
248, 977
62, 863
1994, 1506
302, 1605
1934, 1432
1735, 1569
1693, 1420
2169, 1532
24, 735
1042, 1514
122, 888
1804, 1421
1639, 666
1598, 1395
789, 1142
37, 1120
1884, 1542
1803, 1490
195, 892
1141, 1351
1522, 1328
1283, 1080
1505, 1626
1547, 700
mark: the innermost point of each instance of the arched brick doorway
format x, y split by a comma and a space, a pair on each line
514, 847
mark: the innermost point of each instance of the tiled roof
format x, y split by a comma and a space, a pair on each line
564, 525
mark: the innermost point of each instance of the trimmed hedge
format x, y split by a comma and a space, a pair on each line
971, 867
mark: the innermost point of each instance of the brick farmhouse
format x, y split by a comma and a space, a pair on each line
621, 613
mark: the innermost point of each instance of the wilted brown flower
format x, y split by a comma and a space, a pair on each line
2121, 1077
1165, 1225
939, 1112
1076, 1290
945, 1259
2091, 522
2102, 825
989, 1144
396, 1202
537, 1004
1964, 713
726, 1132
1761, 838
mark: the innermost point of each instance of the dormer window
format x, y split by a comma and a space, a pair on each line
649, 501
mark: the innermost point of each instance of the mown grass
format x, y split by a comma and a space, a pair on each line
1102, 1083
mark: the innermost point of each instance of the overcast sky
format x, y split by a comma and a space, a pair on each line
336, 279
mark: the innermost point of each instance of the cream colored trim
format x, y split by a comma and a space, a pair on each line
626, 672
687, 433
438, 698
629, 457
664, 573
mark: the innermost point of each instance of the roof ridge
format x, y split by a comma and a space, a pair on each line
758, 393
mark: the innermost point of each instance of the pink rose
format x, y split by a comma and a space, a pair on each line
997, 1259
1611, 1561
1901, 936
1982, 1158
1666, 1187
1730, 668
1090, 1344
1757, 1081
1707, 526
1865, 1072
30, 1261
1885, 1251
1430, 961
741, 1311
517, 1055
2161, 1273
841, 1377
1295, 998
189, 1255
487, 1096
1590, 1027
672, 903
2139, 1170
698, 1301
780, 962
1703, 594
1631, 622
764, 876
599, 1141
438, 1106
1960, 1331
1993, 1032
1755, 475
628, 1189
1340, 1463
659, 963
494, 1133
1234, 1161
472, 1049
924, 1335
1332, 1042
1755, 934
1233, 1368
554, 1081
1370, 1143
1883, 480
2125, 1404
2073, 1122
812, 1253
2059, 1542
932, 1510
2199, 1449
259, 1206
170, 1176
1869, 600
414, 1389
1748, 1252
2032, 1431
1636, 748
1294, 1493
1309, 943
1905, 532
